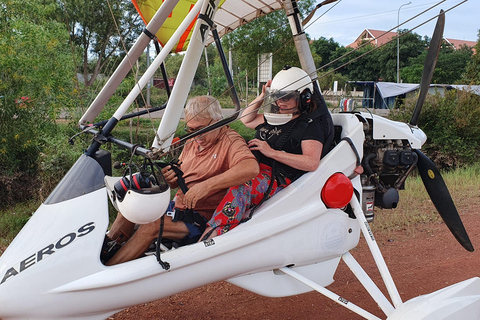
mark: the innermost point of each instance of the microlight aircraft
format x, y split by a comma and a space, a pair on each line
52, 269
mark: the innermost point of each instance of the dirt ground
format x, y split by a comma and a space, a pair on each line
421, 261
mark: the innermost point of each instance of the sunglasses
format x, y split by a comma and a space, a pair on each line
285, 97
192, 130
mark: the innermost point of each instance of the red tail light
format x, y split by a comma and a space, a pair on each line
337, 191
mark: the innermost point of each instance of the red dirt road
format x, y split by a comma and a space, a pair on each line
421, 261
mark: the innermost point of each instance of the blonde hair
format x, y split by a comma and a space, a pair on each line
204, 107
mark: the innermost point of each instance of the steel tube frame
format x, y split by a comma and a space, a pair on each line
375, 250
180, 90
126, 65
329, 294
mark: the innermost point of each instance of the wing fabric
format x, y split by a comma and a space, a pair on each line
231, 15
148, 8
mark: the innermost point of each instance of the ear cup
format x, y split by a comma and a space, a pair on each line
305, 100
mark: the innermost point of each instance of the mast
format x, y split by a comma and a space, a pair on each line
303, 47
180, 90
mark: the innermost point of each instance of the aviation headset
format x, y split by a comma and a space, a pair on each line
305, 100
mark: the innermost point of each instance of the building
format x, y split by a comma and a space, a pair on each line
376, 37
379, 38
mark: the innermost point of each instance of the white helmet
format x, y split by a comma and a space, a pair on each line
140, 203
291, 82
291, 79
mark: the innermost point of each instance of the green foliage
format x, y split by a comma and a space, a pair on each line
380, 64
448, 70
472, 71
356, 70
35, 81
327, 79
245, 132
270, 33
12, 219
103, 31
57, 157
325, 49
452, 125
411, 45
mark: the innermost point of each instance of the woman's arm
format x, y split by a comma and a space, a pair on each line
250, 116
309, 160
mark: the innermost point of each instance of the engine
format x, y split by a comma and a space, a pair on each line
386, 163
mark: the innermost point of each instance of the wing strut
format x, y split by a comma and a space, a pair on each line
375, 250
329, 294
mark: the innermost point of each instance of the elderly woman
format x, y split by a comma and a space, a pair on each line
289, 140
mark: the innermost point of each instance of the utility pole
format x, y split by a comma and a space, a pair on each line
398, 40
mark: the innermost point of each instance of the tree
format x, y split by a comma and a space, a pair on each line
36, 73
270, 33
325, 49
365, 68
450, 66
472, 71
104, 31
370, 63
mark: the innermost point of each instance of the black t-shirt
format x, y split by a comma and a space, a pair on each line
280, 138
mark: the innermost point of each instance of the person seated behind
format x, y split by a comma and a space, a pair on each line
211, 163
295, 130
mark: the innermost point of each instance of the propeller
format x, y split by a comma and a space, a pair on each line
441, 198
429, 67
433, 181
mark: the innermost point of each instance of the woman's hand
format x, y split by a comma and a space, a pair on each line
265, 86
262, 146
250, 116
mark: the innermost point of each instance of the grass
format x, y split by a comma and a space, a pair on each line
12, 219
415, 207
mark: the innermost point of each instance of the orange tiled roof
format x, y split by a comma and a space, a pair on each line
379, 37
457, 44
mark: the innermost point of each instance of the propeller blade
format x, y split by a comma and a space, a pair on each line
429, 67
310, 15
438, 192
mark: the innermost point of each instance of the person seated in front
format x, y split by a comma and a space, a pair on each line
292, 134
211, 163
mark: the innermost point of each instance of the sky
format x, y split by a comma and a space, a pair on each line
344, 20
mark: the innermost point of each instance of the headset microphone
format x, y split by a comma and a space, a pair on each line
118, 164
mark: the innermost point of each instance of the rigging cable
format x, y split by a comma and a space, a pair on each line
179, 144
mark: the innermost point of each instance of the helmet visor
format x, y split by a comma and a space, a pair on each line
280, 102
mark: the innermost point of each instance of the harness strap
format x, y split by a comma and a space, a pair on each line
165, 265
188, 216
304, 121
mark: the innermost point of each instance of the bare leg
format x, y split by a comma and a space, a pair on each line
146, 233
121, 226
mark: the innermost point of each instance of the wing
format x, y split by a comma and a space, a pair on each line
231, 15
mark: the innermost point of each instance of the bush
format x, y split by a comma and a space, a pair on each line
57, 157
36, 72
452, 125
